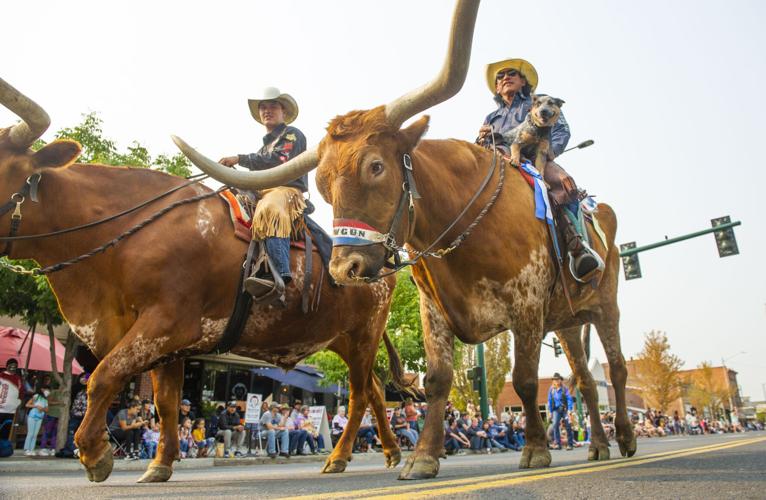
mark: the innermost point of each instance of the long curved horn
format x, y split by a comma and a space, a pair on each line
260, 179
34, 119
450, 79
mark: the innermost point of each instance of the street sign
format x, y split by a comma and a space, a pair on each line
630, 264
725, 239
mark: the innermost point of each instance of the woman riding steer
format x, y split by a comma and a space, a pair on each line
513, 82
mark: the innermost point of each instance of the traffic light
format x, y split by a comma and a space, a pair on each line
724, 239
630, 265
474, 375
557, 347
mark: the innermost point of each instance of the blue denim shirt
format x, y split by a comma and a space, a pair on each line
558, 397
505, 117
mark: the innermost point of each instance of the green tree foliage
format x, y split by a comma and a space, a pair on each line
497, 360
403, 328
657, 372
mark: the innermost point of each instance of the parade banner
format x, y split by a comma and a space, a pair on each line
318, 418
9, 396
253, 408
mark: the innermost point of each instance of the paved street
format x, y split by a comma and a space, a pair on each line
720, 466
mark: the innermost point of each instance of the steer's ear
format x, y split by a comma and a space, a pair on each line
59, 153
410, 136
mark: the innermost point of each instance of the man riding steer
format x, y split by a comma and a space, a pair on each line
513, 82
277, 208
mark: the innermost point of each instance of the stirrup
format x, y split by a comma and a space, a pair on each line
265, 291
593, 269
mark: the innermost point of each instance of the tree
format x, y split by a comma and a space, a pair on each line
707, 392
30, 297
403, 328
497, 360
657, 372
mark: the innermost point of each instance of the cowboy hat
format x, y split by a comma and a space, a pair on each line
557, 376
273, 94
522, 66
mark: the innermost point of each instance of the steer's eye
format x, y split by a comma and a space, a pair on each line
376, 167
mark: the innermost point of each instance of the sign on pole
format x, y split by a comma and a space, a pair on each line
318, 418
253, 408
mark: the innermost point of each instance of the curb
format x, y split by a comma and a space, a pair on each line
51, 464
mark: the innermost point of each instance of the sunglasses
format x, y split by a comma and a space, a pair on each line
508, 72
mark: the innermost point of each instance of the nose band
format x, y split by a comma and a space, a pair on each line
352, 232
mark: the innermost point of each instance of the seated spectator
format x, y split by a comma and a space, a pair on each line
184, 411
518, 432
313, 438
151, 441
230, 427
486, 427
367, 430
76, 414
126, 428
478, 437
454, 440
297, 434
147, 414
411, 414
185, 439
296, 409
204, 444
271, 426
339, 422
500, 433
401, 428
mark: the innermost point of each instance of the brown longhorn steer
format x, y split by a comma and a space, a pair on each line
502, 277
166, 292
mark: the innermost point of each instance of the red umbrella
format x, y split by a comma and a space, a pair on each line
11, 340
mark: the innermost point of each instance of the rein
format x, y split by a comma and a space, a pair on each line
30, 186
409, 193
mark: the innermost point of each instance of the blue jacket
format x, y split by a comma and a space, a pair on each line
556, 397
505, 117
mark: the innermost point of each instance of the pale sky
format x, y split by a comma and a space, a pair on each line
670, 92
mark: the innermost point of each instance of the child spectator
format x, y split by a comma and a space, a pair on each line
38, 405
204, 445
185, 438
151, 441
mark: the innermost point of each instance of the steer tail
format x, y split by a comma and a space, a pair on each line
396, 370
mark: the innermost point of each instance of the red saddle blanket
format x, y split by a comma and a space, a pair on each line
243, 220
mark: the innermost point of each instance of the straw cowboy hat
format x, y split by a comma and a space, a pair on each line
273, 94
524, 67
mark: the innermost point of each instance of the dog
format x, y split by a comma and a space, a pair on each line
531, 138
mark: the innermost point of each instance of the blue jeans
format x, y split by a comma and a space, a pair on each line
284, 441
33, 427
297, 440
74, 424
315, 444
368, 433
409, 434
279, 251
557, 417
150, 449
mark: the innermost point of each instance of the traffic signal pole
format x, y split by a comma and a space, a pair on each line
632, 251
483, 400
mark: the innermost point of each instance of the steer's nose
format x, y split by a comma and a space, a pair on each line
346, 270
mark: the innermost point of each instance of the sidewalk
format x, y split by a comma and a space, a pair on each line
20, 463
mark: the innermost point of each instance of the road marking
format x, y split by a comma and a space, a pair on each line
454, 486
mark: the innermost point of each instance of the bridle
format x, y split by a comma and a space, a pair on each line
351, 232
30, 189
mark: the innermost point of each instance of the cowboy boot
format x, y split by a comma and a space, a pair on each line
584, 263
268, 288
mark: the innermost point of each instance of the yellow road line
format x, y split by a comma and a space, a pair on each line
470, 484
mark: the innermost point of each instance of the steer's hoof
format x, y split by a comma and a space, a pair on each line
534, 458
419, 466
627, 445
156, 474
334, 465
101, 470
598, 451
393, 457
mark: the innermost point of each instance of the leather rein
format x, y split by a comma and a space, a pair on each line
30, 188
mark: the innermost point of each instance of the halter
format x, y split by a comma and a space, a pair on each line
352, 232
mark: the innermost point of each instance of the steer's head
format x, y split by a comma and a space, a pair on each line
360, 159
360, 174
17, 160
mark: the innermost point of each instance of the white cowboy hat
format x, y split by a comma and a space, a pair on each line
524, 67
273, 94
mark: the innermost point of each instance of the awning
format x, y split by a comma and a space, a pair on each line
13, 345
302, 376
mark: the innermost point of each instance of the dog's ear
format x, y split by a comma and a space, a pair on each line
534, 98
559, 102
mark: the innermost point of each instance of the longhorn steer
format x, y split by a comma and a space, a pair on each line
502, 277
167, 291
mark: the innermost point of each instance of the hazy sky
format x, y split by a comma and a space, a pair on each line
670, 92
